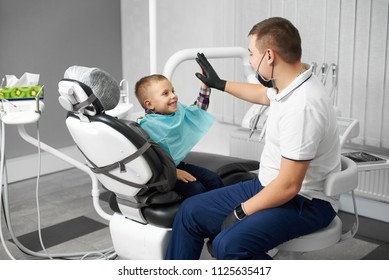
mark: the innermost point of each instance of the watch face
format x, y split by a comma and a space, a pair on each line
239, 212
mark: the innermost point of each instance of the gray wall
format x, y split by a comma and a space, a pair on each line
48, 36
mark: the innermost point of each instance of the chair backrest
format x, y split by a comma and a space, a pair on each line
104, 141
121, 154
344, 181
126, 163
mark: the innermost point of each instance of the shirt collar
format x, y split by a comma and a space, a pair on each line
149, 111
300, 79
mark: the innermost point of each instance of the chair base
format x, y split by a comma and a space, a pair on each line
136, 241
320, 239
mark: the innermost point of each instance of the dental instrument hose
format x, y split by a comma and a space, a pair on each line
51, 150
2, 171
4, 177
6, 206
7, 215
37, 192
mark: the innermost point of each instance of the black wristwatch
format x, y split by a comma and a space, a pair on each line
240, 212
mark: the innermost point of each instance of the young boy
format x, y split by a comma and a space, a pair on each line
177, 128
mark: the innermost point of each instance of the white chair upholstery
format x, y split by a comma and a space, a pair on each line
338, 183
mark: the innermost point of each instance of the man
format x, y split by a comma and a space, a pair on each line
286, 201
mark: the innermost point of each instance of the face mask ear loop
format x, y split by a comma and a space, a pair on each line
260, 62
273, 81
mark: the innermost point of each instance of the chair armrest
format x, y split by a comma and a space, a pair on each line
344, 181
222, 165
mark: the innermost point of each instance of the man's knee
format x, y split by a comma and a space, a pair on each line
224, 247
227, 247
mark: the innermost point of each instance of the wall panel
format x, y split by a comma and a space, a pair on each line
353, 34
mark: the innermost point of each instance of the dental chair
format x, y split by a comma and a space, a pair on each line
129, 164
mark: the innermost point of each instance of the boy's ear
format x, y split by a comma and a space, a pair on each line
147, 104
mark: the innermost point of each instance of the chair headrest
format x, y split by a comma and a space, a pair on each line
88, 90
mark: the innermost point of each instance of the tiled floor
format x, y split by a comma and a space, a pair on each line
70, 224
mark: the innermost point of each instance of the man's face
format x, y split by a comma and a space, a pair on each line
255, 55
258, 58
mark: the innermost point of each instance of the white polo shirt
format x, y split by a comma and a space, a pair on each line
301, 125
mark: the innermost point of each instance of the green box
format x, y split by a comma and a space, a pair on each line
21, 93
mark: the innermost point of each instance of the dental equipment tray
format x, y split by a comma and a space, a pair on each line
364, 158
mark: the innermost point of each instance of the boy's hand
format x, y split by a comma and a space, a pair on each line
184, 176
210, 77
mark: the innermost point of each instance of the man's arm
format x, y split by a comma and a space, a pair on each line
254, 93
282, 189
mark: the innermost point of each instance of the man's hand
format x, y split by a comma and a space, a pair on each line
184, 176
209, 76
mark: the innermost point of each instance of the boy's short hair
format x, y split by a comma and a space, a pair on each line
280, 35
141, 86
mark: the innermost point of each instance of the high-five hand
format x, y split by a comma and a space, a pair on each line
210, 77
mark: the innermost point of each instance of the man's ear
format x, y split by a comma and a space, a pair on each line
270, 56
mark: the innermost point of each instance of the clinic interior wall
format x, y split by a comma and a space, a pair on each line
48, 36
350, 33
190, 24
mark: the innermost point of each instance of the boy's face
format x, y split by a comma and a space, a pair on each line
161, 98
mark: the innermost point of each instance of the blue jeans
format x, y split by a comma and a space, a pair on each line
206, 180
201, 217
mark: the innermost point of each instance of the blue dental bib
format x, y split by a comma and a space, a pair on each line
179, 132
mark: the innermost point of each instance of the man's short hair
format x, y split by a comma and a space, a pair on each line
280, 35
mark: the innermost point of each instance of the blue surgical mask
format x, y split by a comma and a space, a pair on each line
266, 83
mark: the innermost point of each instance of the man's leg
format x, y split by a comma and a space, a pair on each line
260, 232
201, 216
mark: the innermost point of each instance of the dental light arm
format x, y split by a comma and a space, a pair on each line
222, 52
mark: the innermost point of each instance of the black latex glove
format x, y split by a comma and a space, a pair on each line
229, 220
210, 78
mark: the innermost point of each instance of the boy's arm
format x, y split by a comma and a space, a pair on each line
203, 99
